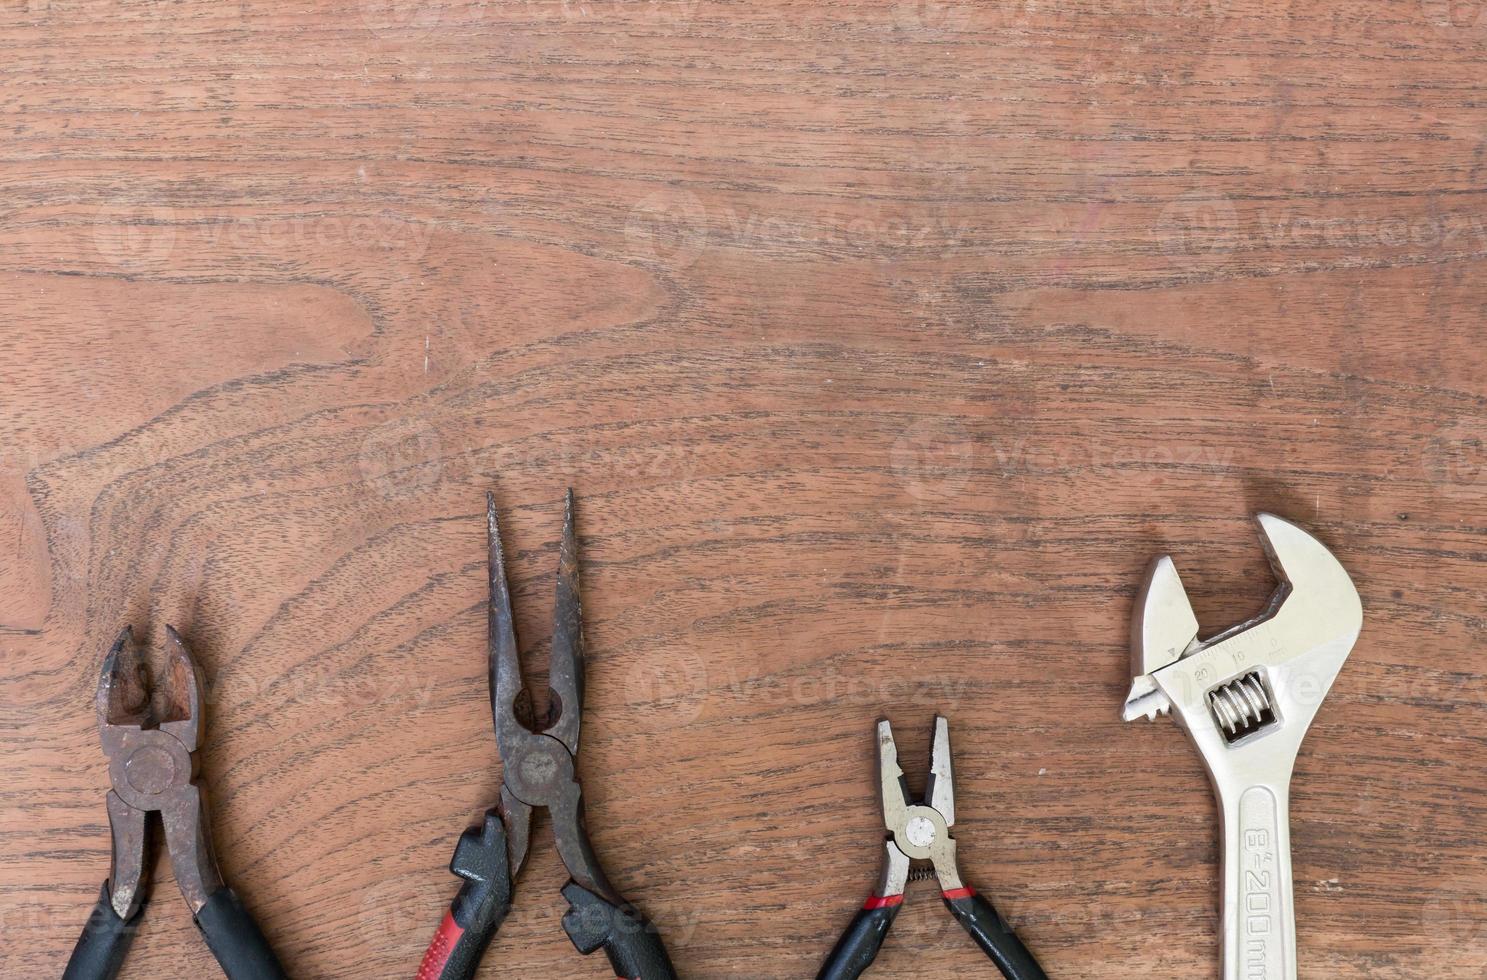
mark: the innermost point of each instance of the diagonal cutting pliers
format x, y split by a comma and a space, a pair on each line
539, 769
153, 769
921, 832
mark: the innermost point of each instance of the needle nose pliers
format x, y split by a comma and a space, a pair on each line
539, 769
153, 769
921, 832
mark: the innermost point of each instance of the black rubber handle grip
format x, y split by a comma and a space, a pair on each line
859, 945
235, 939
992, 933
101, 949
633, 945
480, 907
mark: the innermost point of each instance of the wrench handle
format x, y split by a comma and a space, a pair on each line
1259, 916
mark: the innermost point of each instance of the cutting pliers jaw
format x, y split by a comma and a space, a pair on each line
154, 769
124, 693
917, 831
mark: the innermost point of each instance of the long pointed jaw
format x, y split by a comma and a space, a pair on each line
504, 662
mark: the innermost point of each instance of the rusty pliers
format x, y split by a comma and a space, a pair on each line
539, 765
154, 770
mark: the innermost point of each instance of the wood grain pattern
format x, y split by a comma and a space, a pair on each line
884, 344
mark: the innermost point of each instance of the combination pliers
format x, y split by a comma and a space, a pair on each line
539, 769
921, 832
153, 769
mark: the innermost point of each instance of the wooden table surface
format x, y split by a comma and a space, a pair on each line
883, 343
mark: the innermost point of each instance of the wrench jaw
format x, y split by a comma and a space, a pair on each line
1247, 696
1162, 630
1314, 607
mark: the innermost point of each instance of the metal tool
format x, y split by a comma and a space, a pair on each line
540, 769
921, 832
1246, 698
154, 770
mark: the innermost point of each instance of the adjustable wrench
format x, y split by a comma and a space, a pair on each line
1245, 698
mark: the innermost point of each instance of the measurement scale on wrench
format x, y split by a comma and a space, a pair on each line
1246, 698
